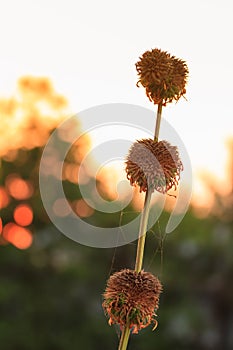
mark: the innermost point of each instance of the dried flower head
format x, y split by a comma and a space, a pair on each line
131, 299
163, 76
155, 165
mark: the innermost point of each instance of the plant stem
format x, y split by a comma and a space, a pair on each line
146, 209
142, 233
158, 120
124, 338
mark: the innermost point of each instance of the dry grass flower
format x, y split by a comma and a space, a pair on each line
155, 165
131, 299
163, 76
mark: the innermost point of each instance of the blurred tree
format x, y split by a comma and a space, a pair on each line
28, 119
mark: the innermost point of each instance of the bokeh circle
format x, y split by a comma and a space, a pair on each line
121, 124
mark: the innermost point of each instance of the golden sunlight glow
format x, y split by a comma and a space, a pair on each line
108, 177
26, 119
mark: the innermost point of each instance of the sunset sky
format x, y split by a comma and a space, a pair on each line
88, 49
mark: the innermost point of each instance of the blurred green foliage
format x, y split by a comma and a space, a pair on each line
51, 293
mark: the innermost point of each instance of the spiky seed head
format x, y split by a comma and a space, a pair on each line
131, 299
155, 165
163, 76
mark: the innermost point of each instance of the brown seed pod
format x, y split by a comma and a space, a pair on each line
131, 299
163, 76
155, 165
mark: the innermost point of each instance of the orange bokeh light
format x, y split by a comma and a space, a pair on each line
23, 215
82, 208
2, 240
20, 237
19, 188
4, 198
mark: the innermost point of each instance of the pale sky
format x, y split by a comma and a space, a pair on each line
89, 49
